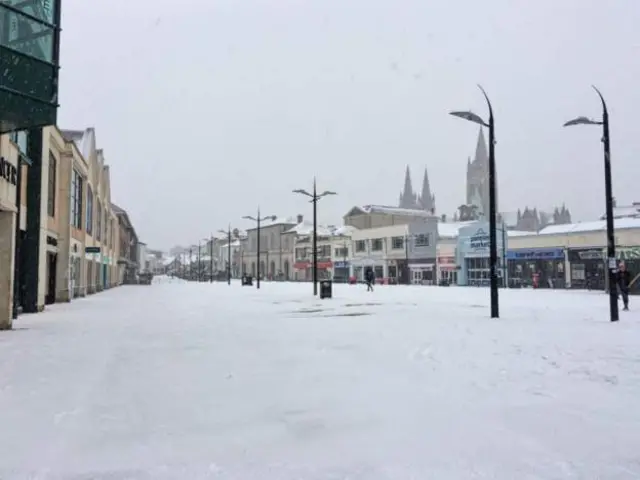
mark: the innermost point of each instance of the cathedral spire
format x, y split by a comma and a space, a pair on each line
407, 198
481, 156
427, 198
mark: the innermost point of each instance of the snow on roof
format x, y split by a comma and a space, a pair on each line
277, 221
519, 233
395, 210
618, 223
624, 211
450, 230
306, 228
345, 230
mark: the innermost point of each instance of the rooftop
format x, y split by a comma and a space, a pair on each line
618, 223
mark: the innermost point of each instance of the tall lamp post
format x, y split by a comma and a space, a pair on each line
493, 247
190, 264
211, 259
611, 244
228, 233
314, 199
258, 219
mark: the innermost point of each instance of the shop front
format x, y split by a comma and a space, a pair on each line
536, 267
587, 268
304, 270
341, 271
447, 270
472, 255
8, 210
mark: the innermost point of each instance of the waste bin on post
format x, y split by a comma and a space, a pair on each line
326, 289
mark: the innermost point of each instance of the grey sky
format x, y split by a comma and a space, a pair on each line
208, 110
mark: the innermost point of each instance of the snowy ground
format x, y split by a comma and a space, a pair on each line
189, 381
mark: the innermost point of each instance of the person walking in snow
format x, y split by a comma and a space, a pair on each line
623, 279
369, 278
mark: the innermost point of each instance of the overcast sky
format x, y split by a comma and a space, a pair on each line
208, 110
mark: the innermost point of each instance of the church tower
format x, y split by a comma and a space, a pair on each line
407, 197
478, 177
427, 199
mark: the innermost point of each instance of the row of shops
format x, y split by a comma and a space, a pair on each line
553, 267
581, 268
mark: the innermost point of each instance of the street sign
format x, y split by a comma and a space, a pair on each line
92, 249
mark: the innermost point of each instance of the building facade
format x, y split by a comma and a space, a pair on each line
9, 184
403, 253
276, 249
472, 254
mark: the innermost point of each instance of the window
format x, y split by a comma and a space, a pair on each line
397, 243
25, 35
20, 138
421, 240
301, 253
341, 252
324, 251
376, 244
361, 246
51, 187
76, 200
89, 216
98, 221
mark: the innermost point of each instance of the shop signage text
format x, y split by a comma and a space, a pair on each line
341, 264
536, 254
479, 241
8, 171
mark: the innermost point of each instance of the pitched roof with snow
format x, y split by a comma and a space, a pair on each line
387, 210
598, 225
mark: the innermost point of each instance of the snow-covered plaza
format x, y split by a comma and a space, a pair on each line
188, 381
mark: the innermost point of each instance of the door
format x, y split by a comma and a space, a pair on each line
52, 261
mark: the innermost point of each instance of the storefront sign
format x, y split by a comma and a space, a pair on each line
305, 265
536, 254
587, 254
341, 264
479, 241
8, 171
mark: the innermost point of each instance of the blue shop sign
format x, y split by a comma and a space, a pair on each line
536, 254
340, 264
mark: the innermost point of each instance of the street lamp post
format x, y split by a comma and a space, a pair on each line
211, 259
314, 199
611, 244
190, 264
228, 233
199, 264
493, 246
258, 219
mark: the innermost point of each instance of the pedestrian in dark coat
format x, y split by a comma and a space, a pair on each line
623, 279
369, 278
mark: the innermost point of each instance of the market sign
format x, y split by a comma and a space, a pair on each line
479, 241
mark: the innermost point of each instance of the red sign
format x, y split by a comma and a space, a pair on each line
446, 260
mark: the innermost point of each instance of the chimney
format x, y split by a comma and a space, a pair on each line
300, 217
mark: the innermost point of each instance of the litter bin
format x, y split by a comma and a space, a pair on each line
247, 281
326, 289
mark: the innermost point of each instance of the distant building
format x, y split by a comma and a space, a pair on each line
478, 178
412, 201
625, 211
